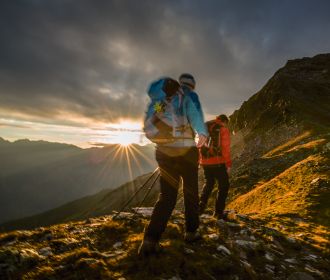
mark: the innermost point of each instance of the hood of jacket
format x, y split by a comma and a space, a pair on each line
155, 90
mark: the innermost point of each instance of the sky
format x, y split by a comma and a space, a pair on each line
76, 71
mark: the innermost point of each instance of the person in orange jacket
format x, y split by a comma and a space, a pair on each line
216, 162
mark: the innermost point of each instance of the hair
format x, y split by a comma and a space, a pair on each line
223, 118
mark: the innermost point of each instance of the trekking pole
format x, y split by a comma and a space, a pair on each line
146, 194
180, 200
135, 194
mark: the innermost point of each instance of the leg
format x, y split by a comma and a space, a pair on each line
189, 171
223, 184
207, 188
169, 182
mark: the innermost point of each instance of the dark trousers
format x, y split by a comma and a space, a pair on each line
171, 169
213, 173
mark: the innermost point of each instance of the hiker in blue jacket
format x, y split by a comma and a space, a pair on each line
178, 159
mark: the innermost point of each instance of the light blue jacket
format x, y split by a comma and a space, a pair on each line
186, 107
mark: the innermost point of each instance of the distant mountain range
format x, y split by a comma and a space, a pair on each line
280, 153
36, 176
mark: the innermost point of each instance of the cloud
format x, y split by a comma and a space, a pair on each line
74, 61
8, 125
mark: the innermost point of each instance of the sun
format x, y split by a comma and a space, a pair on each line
128, 133
126, 139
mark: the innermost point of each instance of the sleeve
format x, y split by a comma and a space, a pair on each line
195, 113
225, 145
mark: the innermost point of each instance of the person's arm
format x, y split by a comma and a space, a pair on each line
195, 114
225, 146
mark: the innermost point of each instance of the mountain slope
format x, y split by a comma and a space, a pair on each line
103, 248
38, 175
296, 99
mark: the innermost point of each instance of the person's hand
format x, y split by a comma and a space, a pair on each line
228, 170
202, 139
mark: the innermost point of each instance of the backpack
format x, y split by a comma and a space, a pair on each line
164, 122
213, 148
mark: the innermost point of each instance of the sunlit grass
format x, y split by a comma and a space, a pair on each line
286, 146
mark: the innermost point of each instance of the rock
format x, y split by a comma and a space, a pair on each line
310, 257
111, 254
205, 217
313, 270
10, 243
249, 269
233, 225
188, 251
292, 261
46, 252
213, 236
175, 278
276, 250
291, 240
247, 244
243, 232
223, 249
117, 245
300, 276
144, 211
278, 245
315, 181
270, 268
123, 216
29, 257
269, 257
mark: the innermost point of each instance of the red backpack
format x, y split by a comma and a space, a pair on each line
213, 148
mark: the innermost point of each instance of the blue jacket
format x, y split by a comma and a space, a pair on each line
187, 110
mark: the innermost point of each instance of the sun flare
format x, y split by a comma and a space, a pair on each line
126, 138
125, 133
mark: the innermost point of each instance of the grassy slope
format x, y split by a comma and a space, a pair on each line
296, 199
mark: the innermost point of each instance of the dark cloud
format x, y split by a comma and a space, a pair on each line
95, 58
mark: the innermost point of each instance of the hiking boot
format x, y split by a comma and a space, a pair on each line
148, 247
190, 237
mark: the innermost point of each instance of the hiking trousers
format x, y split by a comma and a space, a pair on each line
172, 168
213, 173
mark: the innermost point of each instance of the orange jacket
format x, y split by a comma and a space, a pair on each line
225, 148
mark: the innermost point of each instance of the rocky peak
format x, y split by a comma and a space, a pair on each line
295, 99
302, 84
